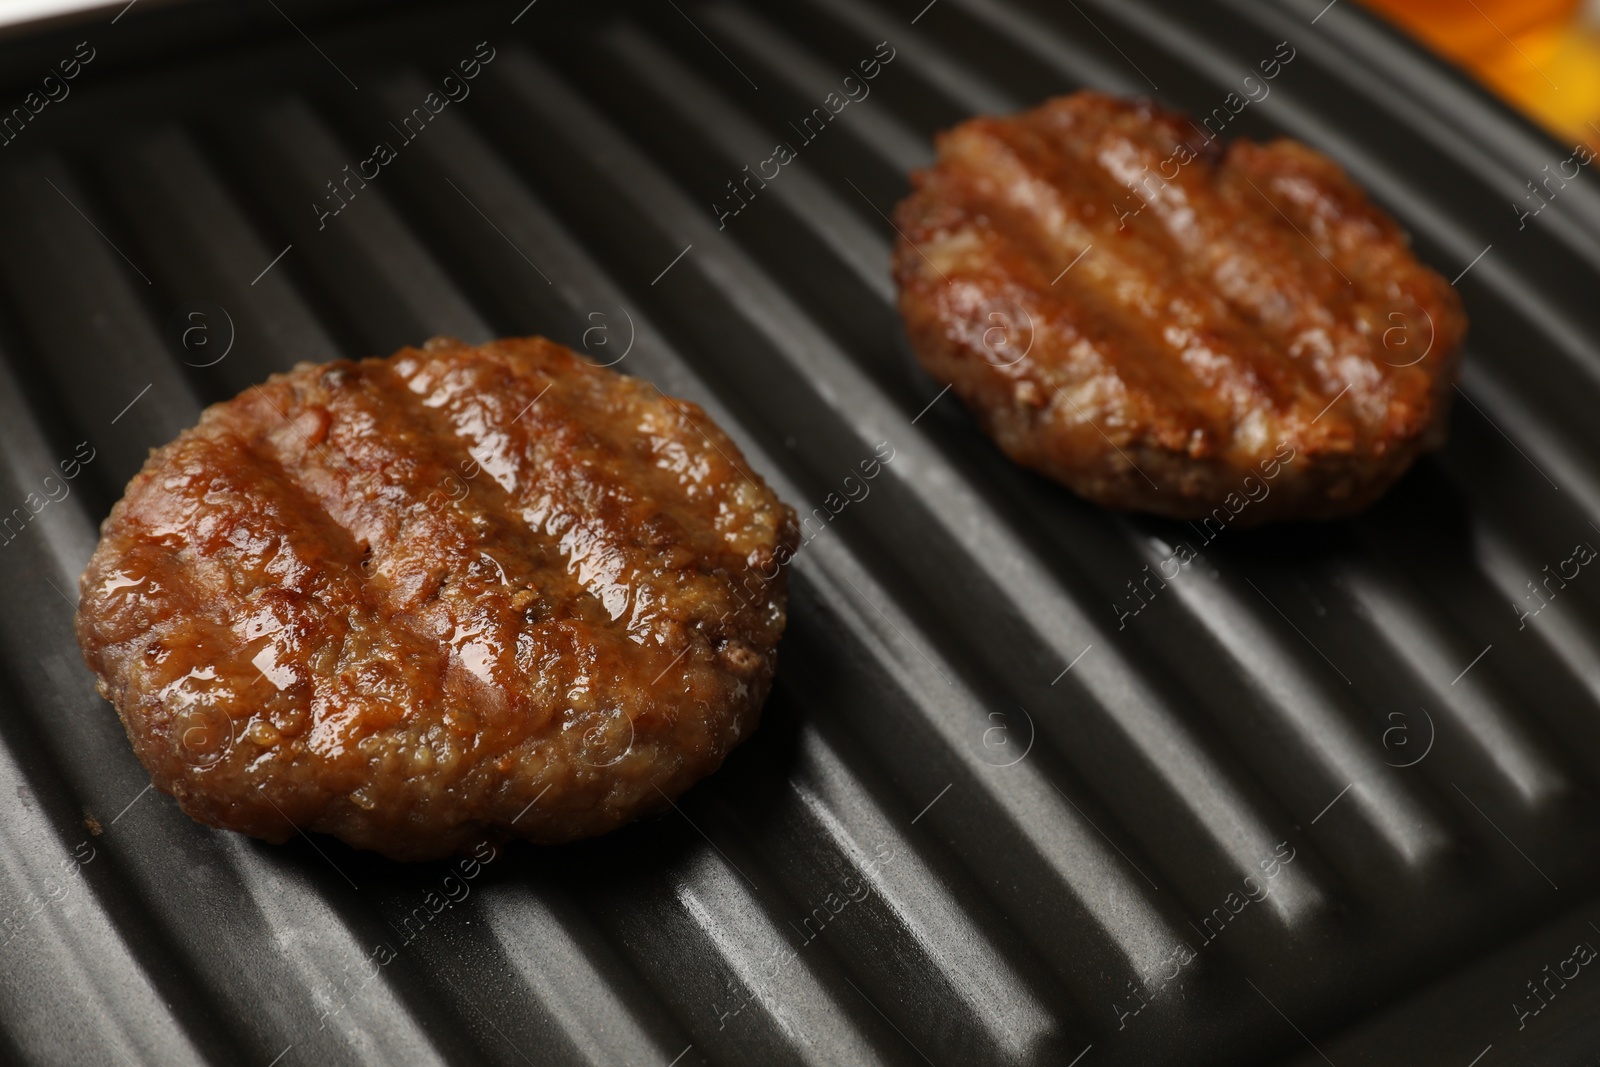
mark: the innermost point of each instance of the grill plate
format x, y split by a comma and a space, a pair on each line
979, 819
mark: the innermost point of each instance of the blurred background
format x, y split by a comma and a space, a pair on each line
1541, 56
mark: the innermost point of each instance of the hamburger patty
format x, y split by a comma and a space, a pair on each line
1158, 321
455, 593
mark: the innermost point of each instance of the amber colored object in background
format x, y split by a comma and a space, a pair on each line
1539, 55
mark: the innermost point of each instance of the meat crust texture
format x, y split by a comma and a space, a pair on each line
1244, 330
453, 594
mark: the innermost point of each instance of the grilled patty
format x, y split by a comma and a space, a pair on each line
1168, 324
452, 594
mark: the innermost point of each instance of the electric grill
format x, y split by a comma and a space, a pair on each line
1327, 796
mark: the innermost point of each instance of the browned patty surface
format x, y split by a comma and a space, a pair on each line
455, 593
1244, 330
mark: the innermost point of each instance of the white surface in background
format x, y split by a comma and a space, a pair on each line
14, 11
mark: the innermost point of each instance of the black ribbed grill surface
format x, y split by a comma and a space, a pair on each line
1323, 797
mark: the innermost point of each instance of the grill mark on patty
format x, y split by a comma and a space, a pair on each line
1120, 336
410, 471
469, 413
646, 480
1369, 248
526, 554
462, 408
375, 392
1216, 211
292, 518
628, 549
324, 466
1310, 289
1025, 174
667, 550
370, 494
1332, 254
1219, 336
476, 623
1368, 264
239, 475
1141, 253
341, 605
